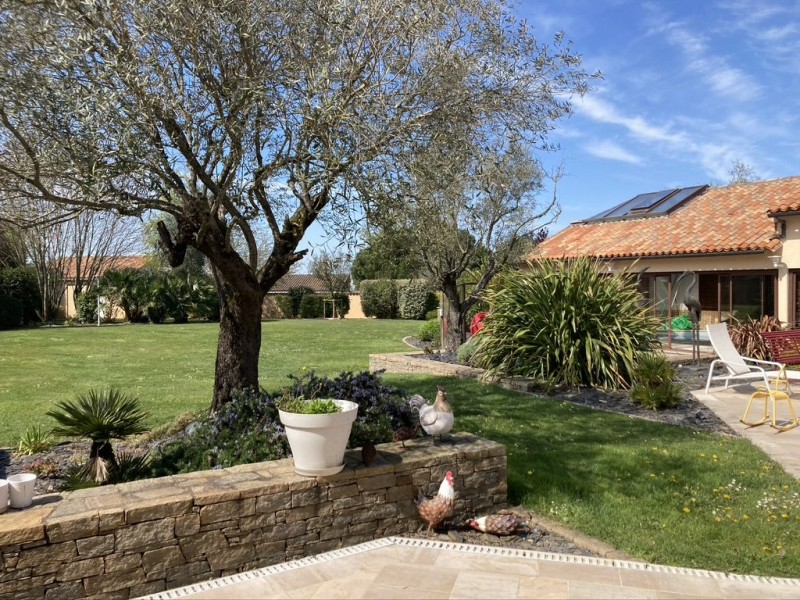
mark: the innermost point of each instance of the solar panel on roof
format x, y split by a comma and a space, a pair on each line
677, 199
649, 205
646, 201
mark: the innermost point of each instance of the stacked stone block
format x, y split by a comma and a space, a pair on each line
146, 536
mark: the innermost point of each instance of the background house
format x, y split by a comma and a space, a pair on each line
319, 286
105, 264
742, 241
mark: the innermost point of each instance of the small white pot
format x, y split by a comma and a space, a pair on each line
3, 496
20, 488
318, 442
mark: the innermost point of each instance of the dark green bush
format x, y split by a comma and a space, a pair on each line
430, 331
432, 314
21, 283
296, 294
244, 430
379, 298
129, 289
11, 312
247, 429
311, 307
86, 306
414, 300
342, 305
566, 323
654, 383
285, 304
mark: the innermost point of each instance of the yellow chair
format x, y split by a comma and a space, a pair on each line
782, 391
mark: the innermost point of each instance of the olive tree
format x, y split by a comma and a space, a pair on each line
469, 214
248, 119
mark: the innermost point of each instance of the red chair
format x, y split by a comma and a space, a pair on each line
477, 323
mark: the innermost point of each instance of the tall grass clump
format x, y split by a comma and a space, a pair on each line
746, 336
567, 323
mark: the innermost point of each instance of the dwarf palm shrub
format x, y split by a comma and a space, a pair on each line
654, 383
101, 417
566, 323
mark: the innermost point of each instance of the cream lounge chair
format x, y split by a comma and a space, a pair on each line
740, 367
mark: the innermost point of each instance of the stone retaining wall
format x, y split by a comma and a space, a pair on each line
146, 536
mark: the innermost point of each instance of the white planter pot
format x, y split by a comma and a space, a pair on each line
20, 488
3, 496
318, 442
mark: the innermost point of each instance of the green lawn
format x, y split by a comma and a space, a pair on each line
170, 368
661, 493
664, 494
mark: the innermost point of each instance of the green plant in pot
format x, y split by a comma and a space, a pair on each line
317, 430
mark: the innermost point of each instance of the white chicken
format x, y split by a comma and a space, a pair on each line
437, 418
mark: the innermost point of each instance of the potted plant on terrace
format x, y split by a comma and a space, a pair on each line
317, 431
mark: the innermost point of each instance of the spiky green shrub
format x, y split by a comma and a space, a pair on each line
654, 383
746, 336
565, 322
100, 416
34, 441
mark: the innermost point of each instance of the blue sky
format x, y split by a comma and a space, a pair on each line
689, 88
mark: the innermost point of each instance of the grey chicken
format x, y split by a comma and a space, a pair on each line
437, 418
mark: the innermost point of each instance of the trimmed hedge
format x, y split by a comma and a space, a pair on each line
311, 306
379, 298
415, 299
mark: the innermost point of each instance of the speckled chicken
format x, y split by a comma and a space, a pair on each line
435, 510
502, 524
437, 418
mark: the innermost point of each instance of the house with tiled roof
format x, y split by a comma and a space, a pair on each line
742, 241
69, 271
318, 285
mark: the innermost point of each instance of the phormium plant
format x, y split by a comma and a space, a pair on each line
565, 322
746, 336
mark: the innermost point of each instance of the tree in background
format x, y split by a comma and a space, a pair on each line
66, 246
386, 256
741, 172
237, 117
334, 271
467, 210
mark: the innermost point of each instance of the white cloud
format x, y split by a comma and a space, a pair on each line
612, 151
729, 82
640, 128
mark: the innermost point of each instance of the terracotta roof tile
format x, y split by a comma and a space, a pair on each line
285, 283
735, 218
110, 262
